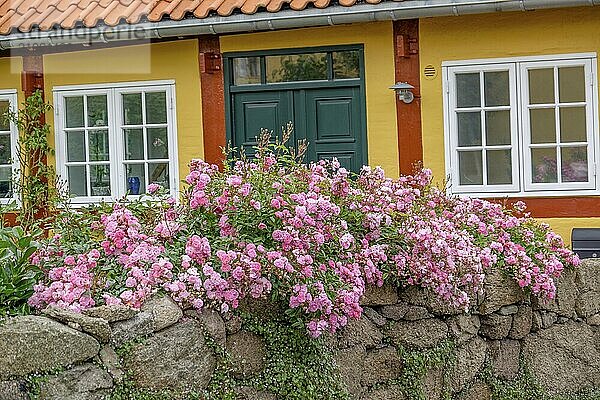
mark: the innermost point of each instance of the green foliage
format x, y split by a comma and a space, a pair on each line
416, 363
302, 67
17, 274
35, 182
221, 385
525, 387
126, 390
33, 382
297, 367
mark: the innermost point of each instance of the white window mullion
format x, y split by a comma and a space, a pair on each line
557, 127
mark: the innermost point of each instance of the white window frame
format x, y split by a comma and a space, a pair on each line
590, 124
10, 95
453, 133
116, 140
525, 187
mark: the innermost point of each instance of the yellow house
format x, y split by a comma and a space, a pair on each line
498, 98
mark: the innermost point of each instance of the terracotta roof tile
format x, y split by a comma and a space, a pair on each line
184, 7
275, 5
206, 6
251, 6
6, 24
228, 6
158, 11
136, 14
26, 15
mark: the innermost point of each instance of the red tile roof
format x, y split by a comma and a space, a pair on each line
44, 15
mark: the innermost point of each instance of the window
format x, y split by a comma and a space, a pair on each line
8, 146
521, 126
114, 141
294, 66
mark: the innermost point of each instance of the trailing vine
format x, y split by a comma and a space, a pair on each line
525, 387
297, 366
416, 364
34, 182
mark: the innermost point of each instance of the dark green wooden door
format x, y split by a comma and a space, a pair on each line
333, 125
319, 90
328, 118
260, 110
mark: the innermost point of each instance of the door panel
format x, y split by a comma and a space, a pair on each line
260, 110
329, 119
334, 126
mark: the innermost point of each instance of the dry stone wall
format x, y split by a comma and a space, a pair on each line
559, 343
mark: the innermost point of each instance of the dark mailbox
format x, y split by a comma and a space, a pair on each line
586, 242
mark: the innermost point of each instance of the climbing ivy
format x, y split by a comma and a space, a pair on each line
525, 387
416, 363
296, 366
222, 384
35, 182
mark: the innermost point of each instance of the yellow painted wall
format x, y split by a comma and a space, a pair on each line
10, 75
563, 226
159, 61
378, 43
543, 32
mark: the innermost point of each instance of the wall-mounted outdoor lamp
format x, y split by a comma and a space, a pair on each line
403, 91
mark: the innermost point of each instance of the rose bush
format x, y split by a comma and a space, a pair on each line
310, 236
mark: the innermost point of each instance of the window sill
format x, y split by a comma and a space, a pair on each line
533, 194
559, 205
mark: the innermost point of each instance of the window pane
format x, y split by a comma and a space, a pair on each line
4, 123
346, 64
543, 125
541, 86
132, 109
469, 129
543, 164
134, 144
136, 179
572, 124
98, 145
496, 88
297, 67
5, 182
499, 167
470, 168
574, 164
571, 84
75, 146
468, 91
74, 112
497, 128
159, 173
77, 180
158, 145
156, 108
5, 149
97, 111
100, 176
246, 71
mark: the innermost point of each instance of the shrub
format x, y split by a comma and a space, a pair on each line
310, 236
17, 274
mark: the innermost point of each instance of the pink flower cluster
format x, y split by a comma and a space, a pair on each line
313, 236
71, 282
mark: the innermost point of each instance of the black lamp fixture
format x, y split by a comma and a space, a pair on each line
403, 91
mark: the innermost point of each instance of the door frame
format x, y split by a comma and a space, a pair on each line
230, 89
